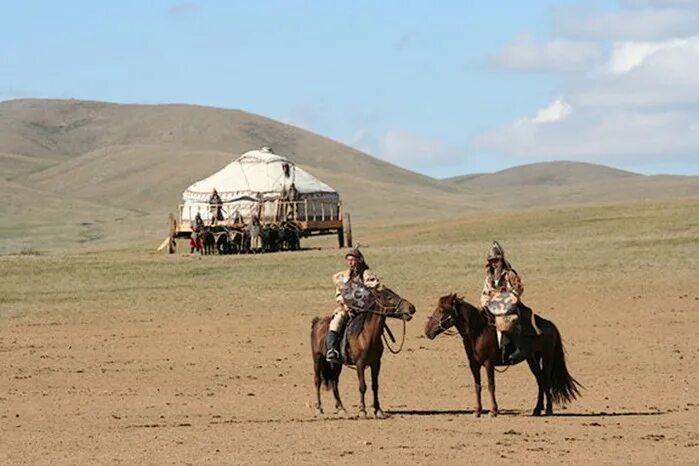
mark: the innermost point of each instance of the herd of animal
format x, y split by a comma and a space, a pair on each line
285, 236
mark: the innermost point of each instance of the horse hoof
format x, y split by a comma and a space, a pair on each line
378, 414
319, 412
362, 415
549, 412
476, 414
493, 414
340, 410
536, 413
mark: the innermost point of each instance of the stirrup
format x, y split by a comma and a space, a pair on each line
332, 355
517, 356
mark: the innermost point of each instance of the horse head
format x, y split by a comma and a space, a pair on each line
444, 316
394, 305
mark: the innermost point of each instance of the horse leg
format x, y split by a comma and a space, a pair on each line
547, 374
476, 371
533, 362
316, 380
375, 369
362, 388
490, 371
338, 402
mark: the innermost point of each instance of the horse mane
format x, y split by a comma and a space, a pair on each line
477, 323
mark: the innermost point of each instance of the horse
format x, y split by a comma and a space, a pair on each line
223, 244
364, 348
289, 236
546, 360
270, 238
208, 240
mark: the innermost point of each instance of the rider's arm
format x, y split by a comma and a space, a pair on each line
515, 283
339, 282
485, 294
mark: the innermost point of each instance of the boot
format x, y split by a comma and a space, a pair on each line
332, 343
523, 348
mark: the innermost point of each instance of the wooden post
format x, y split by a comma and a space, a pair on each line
347, 226
172, 246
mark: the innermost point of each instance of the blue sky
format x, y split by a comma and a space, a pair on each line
450, 90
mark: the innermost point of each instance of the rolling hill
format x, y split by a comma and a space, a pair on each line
541, 174
103, 172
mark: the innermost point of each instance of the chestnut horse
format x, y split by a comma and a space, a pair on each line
364, 348
546, 360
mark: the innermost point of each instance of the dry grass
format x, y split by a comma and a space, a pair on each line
587, 244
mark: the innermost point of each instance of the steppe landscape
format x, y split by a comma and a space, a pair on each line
115, 353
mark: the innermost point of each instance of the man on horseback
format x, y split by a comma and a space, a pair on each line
351, 294
500, 277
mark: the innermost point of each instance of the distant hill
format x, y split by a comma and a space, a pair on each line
541, 174
81, 172
568, 183
142, 157
63, 129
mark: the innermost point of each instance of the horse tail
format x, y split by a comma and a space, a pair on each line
329, 373
564, 387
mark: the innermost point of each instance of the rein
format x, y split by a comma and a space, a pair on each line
450, 321
387, 311
402, 341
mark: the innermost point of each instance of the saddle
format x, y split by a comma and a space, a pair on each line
343, 343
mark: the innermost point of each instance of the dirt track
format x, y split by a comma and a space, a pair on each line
166, 384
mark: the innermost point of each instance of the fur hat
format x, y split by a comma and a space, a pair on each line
357, 254
496, 251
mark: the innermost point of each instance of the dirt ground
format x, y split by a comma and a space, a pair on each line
235, 387
126, 369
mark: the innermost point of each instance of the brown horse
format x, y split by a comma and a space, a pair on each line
364, 348
546, 360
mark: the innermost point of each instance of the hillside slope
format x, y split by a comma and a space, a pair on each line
78, 172
540, 174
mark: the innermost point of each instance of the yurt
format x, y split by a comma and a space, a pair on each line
253, 185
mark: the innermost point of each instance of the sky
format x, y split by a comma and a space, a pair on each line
443, 88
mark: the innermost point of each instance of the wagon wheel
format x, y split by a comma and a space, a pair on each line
347, 227
172, 245
341, 237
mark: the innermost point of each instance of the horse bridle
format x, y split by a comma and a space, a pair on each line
388, 311
449, 319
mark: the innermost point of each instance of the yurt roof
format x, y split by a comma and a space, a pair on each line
257, 171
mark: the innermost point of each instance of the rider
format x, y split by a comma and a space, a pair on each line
215, 206
500, 276
198, 223
358, 272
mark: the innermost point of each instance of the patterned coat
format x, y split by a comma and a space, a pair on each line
507, 280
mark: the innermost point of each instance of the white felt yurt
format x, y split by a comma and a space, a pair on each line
253, 184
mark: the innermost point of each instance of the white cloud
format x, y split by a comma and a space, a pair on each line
622, 137
557, 111
646, 24
406, 149
525, 53
628, 55
637, 104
